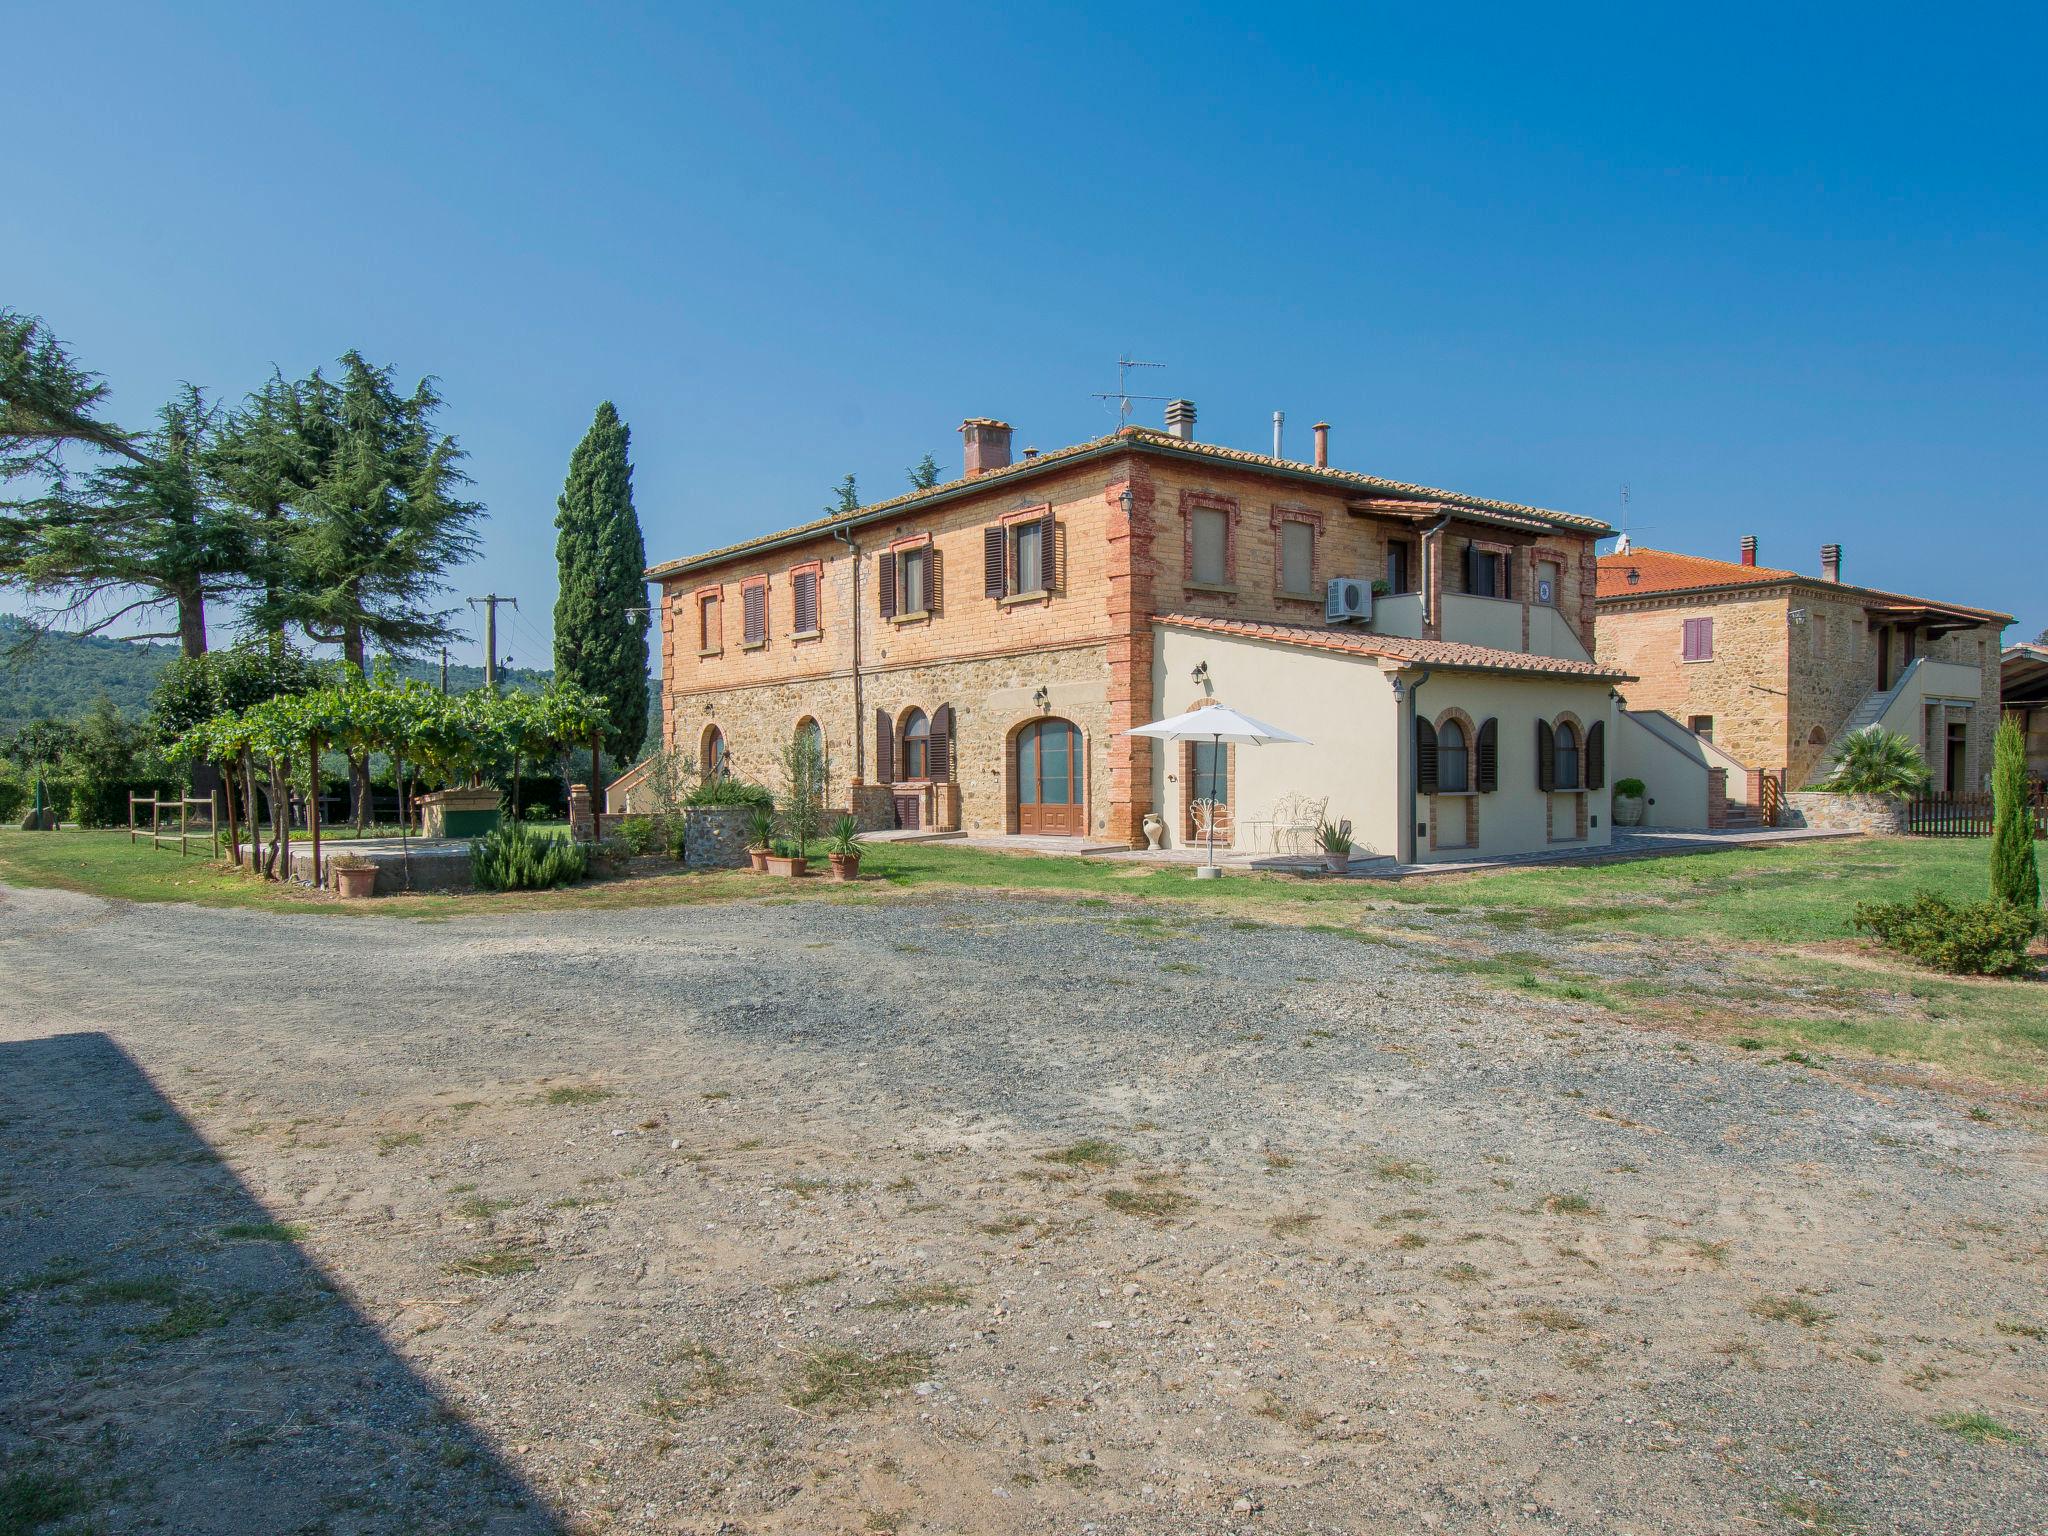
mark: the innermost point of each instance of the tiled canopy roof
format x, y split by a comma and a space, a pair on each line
1429, 653
1660, 572
1398, 494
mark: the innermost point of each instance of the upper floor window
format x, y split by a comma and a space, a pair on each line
803, 597
709, 636
1019, 559
1209, 529
908, 582
1486, 572
754, 613
1400, 566
1297, 558
1699, 639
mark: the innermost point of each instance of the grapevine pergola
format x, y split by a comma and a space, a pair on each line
457, 738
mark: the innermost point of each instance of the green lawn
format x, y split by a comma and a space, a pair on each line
1777, 915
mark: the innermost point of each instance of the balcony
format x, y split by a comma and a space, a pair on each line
1493, 622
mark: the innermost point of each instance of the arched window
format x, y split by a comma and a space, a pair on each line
713, 756
1567, 755
917, 746
1452, 773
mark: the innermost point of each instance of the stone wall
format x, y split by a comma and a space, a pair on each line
715, 836
1825, 810
1741, 686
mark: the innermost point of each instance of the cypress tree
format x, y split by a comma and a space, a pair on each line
2015, 878
601, 610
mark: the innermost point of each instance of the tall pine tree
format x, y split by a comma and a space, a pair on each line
601, 613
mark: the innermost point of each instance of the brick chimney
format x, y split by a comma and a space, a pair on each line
1831, 562
1180, 419
1322, 445
1749, 549
988, 444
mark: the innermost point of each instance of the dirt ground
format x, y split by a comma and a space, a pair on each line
957, 1215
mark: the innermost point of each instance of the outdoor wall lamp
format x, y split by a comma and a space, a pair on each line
1123, 500
1201, 672
1398, 689
1042, 697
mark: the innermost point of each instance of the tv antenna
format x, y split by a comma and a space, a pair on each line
1122, 394
1624, 543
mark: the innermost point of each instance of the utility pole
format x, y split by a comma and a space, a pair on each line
490, 601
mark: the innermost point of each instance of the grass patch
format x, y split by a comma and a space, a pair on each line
1981, 1429
1553, 1319
560, 1096
33, 1500
1570, 1205
1155, 1203
1293, 1223
495, 1265
844, 1380
1790, 1309
1402, 1169
930, 1293
479, 1208
1090, 1152
386, 1145
263, 1231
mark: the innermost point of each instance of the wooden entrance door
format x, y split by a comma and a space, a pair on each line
1049, 799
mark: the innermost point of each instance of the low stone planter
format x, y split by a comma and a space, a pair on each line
1826, 810
715, 836
459, 812
788, 865
1628, 810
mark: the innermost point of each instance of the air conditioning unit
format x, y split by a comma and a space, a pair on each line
1347, 601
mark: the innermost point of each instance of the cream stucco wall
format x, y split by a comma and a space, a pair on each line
1671, 762
1346, 707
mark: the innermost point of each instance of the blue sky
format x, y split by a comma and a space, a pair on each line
1780, 270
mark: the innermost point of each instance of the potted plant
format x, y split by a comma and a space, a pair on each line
1628, 802
355, 877
843, 851
787, 859
760, 832
1334, 838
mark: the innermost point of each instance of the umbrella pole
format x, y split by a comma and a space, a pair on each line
1215, 746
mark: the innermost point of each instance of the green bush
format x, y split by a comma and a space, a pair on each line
14, 793
637, 833
1875, 761
516, 857
1632, 788
724, 791
2015, 877
1972, 938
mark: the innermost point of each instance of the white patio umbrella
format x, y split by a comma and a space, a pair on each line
1216, 724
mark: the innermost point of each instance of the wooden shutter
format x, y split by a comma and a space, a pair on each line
804, 599
1699, 639
1048, 552
885, 588
995, 548
1546, 757
885, 748
1425, 758
1595, 774
1507, 575
1471, 567
931, 578
942, 743
755, 612
1486, 758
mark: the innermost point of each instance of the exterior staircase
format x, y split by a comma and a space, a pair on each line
1871, 710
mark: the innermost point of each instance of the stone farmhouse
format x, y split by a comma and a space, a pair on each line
971, 656
2023, 691
1770, 668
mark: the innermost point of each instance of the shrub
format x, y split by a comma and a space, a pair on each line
637, 833
2015, 878
1875, 761
1975, 938
1632, 788
515, 857
724, 791
14, 794
845, 840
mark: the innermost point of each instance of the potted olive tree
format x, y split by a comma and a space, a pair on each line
803, 783
1628, 802
760, 838
843, 851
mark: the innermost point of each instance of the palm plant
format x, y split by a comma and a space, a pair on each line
1875, 761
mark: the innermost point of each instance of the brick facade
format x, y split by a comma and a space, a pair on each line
1082, 650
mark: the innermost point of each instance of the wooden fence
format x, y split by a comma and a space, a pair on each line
184, 834
1943, 815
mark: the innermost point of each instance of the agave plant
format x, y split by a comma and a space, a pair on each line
1875, 761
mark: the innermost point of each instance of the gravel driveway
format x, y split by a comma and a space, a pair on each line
956, 1215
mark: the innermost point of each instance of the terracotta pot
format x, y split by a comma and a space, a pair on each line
845, 866
1336, 863
758, 857
788, 865
355, 884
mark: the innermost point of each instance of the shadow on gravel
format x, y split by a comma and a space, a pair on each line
171, 1359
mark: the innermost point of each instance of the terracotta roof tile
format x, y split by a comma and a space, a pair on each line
1438, 653
1423, 497
1662, 571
